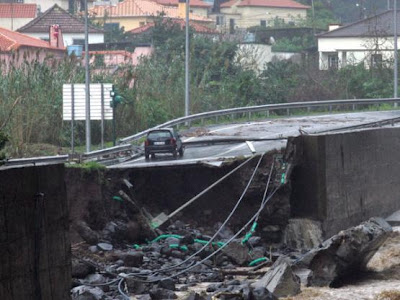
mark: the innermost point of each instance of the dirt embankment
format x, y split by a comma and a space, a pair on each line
93, 196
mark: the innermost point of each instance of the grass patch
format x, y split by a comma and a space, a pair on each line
88, 166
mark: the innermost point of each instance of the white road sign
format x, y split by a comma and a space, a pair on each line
80, 101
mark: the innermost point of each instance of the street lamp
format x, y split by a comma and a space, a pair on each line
187, 102
87, 79
395, 71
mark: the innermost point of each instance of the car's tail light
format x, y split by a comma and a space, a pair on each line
146, 142
173, 141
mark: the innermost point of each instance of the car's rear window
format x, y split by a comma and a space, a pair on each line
159, 134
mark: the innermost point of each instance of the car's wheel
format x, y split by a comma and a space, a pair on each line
181, 152
153, 155
174, 153
147, 155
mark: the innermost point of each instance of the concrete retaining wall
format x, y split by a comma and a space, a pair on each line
343, 179
35, 260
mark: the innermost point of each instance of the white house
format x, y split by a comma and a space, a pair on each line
44, 5
72, 27
15, 15
369, 41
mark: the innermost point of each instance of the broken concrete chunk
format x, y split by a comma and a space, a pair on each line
143, 297
237, 252
86, 233
160, 293
195, 296
135, 286
261, 293
279, 280
167, 283
303, 234
105, 246
133, 259
84, 292
345, 253
80, 269
95, 279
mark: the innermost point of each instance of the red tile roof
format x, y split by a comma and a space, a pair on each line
193, 3
11, 40
199, 28
138, 8
56, 15
18, 10
266, 3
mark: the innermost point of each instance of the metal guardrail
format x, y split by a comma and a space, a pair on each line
125, 146
260, 108
66, 158
108, 151
36, 160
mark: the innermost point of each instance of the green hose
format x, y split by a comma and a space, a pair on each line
164, 236
257, 261
176, 246
203, 242
250, 233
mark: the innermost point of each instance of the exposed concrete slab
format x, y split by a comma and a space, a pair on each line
394, 219
35, 256
343, 179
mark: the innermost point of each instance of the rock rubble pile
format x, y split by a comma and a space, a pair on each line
184, 263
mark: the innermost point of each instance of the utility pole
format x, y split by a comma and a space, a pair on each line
395, 71
313, 16
87, 79
187, 86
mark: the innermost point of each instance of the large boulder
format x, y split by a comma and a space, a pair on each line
279, 280
81, 269
345, 253
237, 252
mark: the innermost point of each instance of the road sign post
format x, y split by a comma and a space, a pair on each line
74, 105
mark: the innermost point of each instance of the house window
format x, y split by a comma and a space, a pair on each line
333, 61
110, 27
78, 42
376, 60
263, 23
220, 20
231, 26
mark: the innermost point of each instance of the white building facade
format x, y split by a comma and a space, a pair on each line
369, 42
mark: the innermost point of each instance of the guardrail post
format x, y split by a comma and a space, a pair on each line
288, 111
232, 117
308, 109
249, 116
354, 107
216, 119
202, 121
330, 109
268, 113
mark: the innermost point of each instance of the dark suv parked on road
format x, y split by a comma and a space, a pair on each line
163, 140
